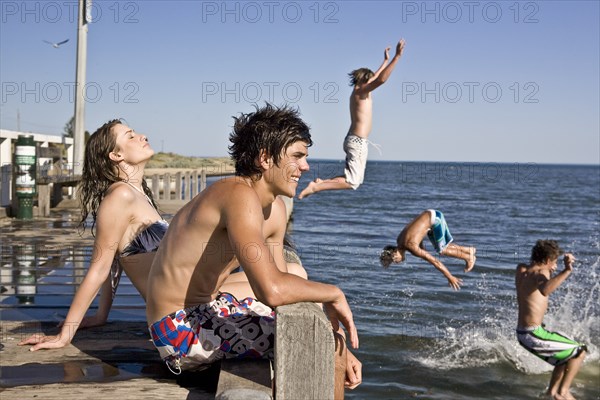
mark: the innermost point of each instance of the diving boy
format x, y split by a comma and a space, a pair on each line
430, 223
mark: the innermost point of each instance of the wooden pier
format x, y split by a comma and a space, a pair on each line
118, 361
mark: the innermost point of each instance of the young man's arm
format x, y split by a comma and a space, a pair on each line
384, 72
245, 220
425, 255
550, 285
386, 60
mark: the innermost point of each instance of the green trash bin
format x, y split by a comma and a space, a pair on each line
24, 175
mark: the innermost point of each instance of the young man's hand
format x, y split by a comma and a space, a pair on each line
454, 283
569, 260
400, 48
353, 371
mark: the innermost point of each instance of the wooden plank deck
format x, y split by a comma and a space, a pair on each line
115, 361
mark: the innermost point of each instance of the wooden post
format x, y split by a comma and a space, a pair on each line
156, 187
304, 353
186, 184
43, 200
203, 180
178, 186
167, 186
194, 183
57, 194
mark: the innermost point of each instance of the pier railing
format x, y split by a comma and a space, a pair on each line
165, 185
181, 185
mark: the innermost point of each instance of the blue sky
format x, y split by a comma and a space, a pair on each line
485, 81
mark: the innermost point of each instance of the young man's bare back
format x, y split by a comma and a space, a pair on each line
532, 303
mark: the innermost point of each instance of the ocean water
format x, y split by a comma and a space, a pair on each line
421, 339
418, 337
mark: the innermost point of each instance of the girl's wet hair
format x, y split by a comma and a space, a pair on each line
99, 172
270, 129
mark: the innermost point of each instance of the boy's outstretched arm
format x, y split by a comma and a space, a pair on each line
425, 255
386, 59
550, 285
384, 72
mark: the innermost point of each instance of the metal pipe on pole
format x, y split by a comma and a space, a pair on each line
79, 129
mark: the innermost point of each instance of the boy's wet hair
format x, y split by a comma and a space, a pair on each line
544, 251
387, 255
359, 76
270, 129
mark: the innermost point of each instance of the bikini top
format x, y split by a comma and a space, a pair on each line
146, 241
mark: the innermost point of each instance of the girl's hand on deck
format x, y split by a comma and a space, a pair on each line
41, 341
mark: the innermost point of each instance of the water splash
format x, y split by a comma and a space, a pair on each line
573, 309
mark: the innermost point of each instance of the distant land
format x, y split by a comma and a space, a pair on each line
172, 160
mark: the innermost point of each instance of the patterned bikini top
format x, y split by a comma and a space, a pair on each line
146, 241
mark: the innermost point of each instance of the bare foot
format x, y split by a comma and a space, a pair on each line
471, 260
564, 396
310, 189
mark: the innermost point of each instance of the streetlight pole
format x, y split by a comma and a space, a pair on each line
79, 129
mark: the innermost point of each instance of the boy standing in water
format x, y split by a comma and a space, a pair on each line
534, 283
356, 145
430, 223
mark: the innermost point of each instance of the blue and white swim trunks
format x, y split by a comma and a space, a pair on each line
439, 234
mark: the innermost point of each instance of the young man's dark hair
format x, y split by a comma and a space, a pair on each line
271, 129
545, 250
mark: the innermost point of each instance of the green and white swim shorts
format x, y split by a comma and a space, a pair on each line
553, 347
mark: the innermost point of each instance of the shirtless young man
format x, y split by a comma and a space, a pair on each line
356, 145
534, 283
192, 321
430, 223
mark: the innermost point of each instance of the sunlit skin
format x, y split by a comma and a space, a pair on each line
361, 116
535, 284
230, 218
411, 240
123, 212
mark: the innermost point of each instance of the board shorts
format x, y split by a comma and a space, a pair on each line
439, 234
357, 150
197, 336
553, 347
